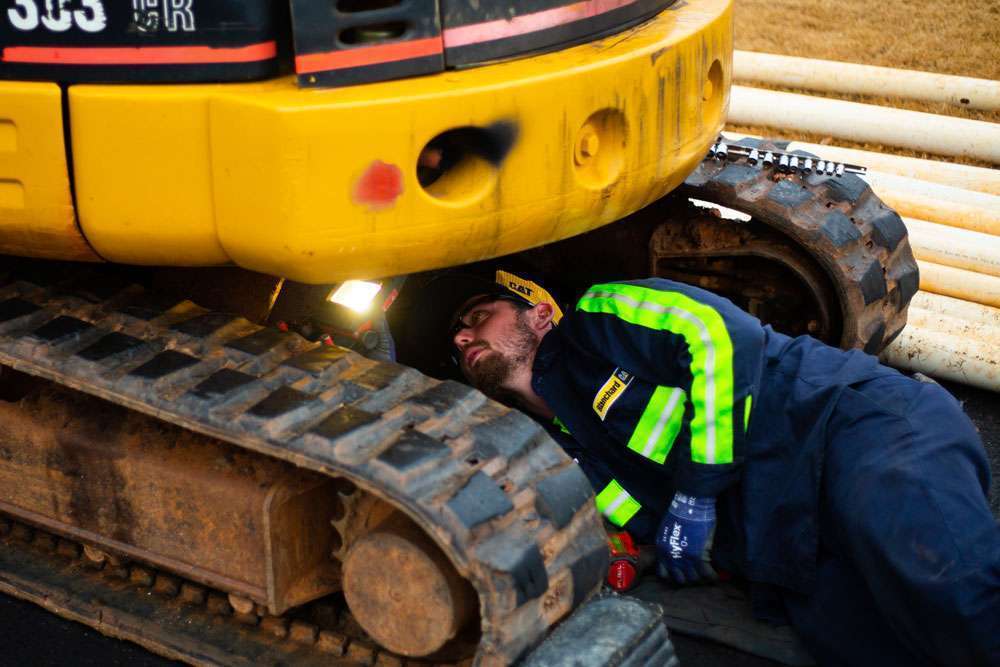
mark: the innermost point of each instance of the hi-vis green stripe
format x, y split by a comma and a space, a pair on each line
709, 345
615, 503
659, 424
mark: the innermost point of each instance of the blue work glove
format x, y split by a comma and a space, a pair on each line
684, 540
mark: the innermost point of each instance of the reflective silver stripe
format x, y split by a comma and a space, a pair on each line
619, 500
661, 423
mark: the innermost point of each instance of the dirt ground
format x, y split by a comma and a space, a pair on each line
961, 37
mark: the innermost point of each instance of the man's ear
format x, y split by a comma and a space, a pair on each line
541, 318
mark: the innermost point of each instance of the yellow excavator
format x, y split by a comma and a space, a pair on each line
210, 447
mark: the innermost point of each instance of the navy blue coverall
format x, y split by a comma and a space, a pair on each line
852, 496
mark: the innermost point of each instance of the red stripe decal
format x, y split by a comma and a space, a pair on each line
368, 55
143, 55
525, 23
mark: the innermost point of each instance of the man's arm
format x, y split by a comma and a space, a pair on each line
613, 500
680, 338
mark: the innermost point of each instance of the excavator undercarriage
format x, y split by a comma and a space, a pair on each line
272, 521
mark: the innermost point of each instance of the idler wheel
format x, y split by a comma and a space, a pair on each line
404, 591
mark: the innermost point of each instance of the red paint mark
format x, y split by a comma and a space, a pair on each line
380, 185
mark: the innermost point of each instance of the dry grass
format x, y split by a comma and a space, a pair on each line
957, 37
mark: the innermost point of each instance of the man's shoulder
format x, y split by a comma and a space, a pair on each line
656, 290
653, 302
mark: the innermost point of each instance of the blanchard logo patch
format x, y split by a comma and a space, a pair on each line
611, 391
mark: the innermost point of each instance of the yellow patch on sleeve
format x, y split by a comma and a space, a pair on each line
611, 391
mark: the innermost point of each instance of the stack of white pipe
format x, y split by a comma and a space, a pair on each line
956, 207
952, 211
951, 339
957, 248
953, 325
940, 135
854, 79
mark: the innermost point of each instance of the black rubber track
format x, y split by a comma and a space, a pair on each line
859, 241
503, 501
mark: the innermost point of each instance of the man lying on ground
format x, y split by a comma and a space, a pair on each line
852, 497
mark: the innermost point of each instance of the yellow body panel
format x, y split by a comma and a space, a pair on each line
144, 174
36, 206
268, 176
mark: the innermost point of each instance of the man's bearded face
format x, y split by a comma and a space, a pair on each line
498, 343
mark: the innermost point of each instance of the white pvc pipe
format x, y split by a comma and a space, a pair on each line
912, 186
965, 360
962, 176
941, 211
959, 283
953, 307
954, 326
959, 248
941, 135
838, 77
956, 233
976, 211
